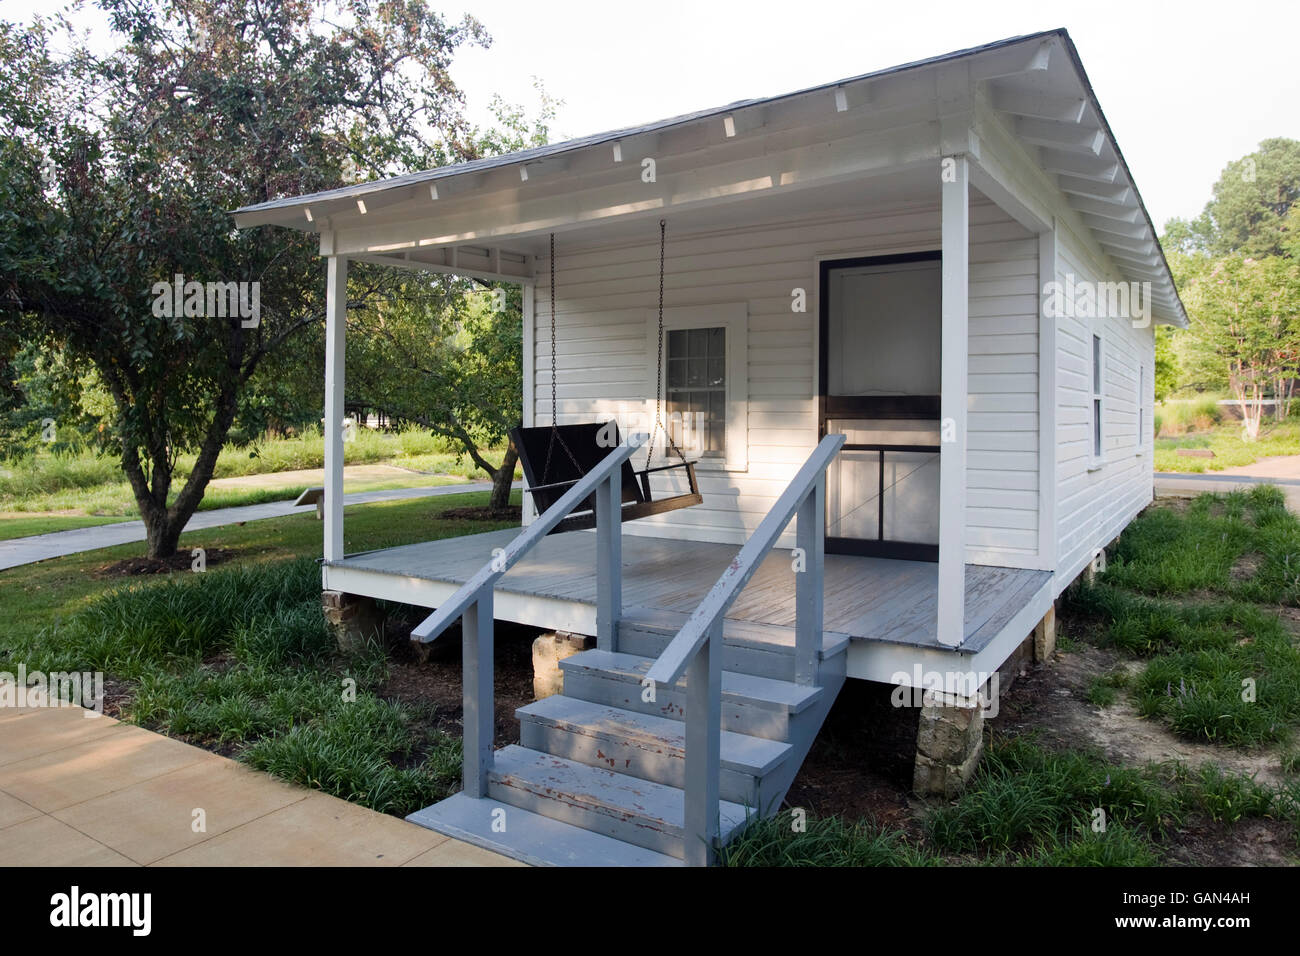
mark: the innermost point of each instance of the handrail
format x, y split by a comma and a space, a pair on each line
697, 649
452, 608
473, 602
672, 663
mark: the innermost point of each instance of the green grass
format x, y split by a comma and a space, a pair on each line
1031, 805
239, 658
1104, 689
1166, 552
1192, 593
39, 595
94, 485
1231, 450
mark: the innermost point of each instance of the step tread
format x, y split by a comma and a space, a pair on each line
530, 837
740, 752
772, 637
595, 788
760, 691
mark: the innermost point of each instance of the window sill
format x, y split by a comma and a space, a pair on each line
1096, 466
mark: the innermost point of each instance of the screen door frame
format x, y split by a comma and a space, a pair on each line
882, 407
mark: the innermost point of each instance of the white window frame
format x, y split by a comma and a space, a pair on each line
1096, 398
734, 318
1142, 408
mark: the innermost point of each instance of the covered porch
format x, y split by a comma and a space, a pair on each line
885, 608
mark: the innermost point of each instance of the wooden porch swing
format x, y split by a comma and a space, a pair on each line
584, 445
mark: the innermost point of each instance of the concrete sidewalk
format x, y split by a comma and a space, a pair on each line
93, 791
41, 547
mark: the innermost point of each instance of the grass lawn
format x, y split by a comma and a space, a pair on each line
1198, 599
1230, 449
238, 658
93, 485
113, 503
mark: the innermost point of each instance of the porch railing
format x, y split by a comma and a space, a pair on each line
472, 601
696, 651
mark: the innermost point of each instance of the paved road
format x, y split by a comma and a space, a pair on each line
41, 547
1176, 484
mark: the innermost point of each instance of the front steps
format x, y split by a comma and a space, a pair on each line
597, 778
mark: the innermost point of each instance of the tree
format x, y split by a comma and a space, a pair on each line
1252, 200
1166, 375
1246, 319
118, 171
445, 355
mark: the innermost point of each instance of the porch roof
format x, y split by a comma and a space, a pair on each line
488, 217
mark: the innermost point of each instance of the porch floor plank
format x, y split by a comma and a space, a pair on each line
869, 599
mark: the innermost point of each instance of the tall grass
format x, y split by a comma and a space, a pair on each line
1180, 416
241, 659
1031, 805
95, 484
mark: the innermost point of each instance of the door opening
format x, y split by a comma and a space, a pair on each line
879, 379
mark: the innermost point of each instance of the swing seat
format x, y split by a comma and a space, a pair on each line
547, 485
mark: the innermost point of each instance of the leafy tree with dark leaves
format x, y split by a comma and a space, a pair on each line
118, 171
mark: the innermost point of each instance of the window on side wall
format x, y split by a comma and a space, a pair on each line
1097, 411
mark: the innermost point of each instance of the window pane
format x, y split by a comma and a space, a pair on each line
676, 374
1096, 365
695, 376
1096, 427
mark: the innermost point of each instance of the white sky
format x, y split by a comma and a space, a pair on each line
1187, 86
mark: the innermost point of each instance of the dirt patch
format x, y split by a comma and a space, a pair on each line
1053, 700
861, 763
1245, 843
435, 684
508, 513
182, 560
1246, 566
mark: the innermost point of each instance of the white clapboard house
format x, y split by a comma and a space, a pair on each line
900, 331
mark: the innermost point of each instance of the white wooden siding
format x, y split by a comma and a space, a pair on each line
607, 296
1095, 500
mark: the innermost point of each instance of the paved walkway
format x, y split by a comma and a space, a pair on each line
40, 547
93, 791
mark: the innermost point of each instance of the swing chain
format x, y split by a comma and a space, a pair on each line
659, 367
555, 418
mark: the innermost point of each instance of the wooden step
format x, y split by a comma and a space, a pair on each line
640, 812
531, 837
644, 745
764, 650
756, 706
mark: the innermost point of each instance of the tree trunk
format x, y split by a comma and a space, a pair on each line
503, 478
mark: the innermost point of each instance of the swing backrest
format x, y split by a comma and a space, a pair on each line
582, 440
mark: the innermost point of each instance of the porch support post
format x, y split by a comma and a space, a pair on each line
1046, 402
951, 598
609, 560
476, 674
529, 295
336, 306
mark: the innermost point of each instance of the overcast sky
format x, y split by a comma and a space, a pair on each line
1187, 86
